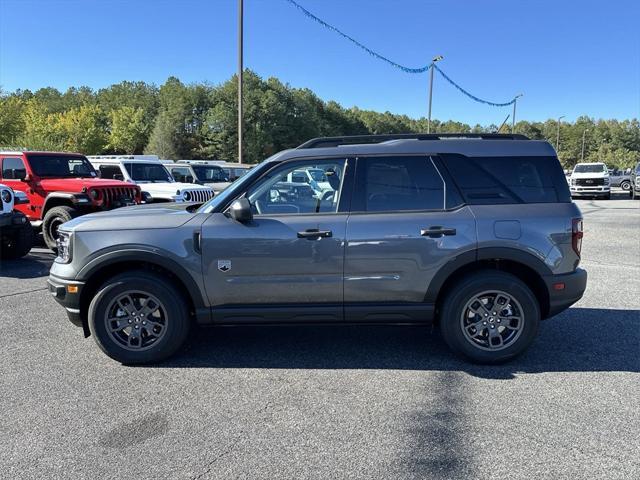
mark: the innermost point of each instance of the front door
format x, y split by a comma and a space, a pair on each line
290, 257
405, 226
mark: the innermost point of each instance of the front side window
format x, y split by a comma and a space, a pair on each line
278, 192
61, 166
111, 172
148, 172
400, 183
13, 168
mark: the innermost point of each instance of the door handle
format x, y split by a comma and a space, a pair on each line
315, 233
437, 231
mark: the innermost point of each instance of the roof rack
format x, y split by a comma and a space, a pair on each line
327, 142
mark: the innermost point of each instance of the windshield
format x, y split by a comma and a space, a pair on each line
208, 173
148, 172
61, 166
598, 168
235, 188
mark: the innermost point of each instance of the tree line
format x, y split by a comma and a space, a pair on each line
176, 120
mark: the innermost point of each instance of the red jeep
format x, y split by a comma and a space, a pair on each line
61, 186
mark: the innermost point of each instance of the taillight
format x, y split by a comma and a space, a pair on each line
577, 233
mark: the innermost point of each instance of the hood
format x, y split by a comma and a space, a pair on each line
589, 175
218, 186
163, 215
76, 184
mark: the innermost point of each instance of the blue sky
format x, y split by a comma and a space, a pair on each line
567, 57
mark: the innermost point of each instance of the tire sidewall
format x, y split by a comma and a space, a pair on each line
21, 242
64, 212
478, 283
175, 307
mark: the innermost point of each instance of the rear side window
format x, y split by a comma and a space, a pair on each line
112, 172
389, 184
503, 180
12, 168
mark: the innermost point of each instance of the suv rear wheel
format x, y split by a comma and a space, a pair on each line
138, 317
52, 221
490, 317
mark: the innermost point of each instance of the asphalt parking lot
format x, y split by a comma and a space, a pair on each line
332, 402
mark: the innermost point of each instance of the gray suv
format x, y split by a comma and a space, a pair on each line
475, 232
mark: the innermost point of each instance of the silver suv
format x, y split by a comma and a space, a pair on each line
475, 232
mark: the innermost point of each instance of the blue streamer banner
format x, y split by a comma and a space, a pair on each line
391, 62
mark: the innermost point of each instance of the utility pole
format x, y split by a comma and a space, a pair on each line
433, 62
513, 117
583, 137
240, 71
558, 135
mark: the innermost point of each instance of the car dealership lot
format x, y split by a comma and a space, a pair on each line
319, 402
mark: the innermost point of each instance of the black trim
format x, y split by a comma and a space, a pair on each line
520, 256
158, 257
441, 276
70, 301
328, 142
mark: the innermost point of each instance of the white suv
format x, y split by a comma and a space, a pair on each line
150, 174
590, 179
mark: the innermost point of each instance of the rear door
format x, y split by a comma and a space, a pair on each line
406, 224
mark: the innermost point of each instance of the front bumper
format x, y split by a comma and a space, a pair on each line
67, 293
590, 191
574, 283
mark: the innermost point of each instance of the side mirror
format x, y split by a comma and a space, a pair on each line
19, 174
240, 210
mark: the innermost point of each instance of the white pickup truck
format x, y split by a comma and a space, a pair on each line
16, 234
590, 180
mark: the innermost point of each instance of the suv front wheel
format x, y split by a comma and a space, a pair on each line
490, 317
138, 317
52, 221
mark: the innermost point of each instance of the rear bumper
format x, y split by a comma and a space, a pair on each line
59, 290
574, 283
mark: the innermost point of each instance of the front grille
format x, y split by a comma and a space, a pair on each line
198, 196
113, 197
589, 182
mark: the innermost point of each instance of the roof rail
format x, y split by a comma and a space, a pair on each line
325, 142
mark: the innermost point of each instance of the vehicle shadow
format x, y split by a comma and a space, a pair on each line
36, 264
579, 339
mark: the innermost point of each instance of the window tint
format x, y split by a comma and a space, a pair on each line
278, 192
61, 166
148, 172
9, 165
111, 172
501, 180
401, 183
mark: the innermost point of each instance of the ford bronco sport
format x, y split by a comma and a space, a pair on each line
61, 186
16, 235
475, 232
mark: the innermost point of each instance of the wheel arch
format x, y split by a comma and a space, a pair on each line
528, 268
57, 199
113, 263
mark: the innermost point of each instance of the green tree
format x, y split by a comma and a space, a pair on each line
163, 140
129, 132
83, 129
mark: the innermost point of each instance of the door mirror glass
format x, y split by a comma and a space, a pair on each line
240, 210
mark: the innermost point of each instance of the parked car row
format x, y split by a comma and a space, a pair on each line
596, 180
58, 187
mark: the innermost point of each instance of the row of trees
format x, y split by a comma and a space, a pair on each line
199, 121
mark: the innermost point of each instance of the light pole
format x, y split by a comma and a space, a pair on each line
433, 62
513, 118
583, 137
240, 69
558, 135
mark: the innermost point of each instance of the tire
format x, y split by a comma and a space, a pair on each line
17, 242
626, 185
458, 303
52, 220
159, 342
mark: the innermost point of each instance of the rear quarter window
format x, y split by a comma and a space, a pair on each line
504, 180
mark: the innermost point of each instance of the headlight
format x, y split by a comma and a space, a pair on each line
187, 196
573, 181
6, 196
63, 242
